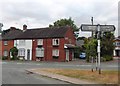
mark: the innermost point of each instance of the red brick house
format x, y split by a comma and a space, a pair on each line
47, 44
7, 41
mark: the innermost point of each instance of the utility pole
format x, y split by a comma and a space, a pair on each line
92, 24
92, 20
1, 25
98, 48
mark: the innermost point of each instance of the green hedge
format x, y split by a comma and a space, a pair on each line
107, 58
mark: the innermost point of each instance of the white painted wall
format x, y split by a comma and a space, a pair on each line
26, 46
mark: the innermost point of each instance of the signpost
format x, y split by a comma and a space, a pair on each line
98, 28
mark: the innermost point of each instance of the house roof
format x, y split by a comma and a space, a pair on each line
79, 42
11, 33
54, 32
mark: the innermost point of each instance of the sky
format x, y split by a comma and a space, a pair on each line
41, 13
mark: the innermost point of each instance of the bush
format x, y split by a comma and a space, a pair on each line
107, 58
4, 58
14, 52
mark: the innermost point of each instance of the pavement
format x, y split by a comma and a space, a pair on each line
59, 77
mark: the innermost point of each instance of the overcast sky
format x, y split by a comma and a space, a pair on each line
41, 13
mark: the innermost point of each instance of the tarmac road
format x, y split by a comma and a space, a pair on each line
14, 72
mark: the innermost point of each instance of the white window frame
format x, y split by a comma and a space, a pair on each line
40, 42
21, 42
117, 43
5, 53
5, 42
40, 52
55, 52
21, 52
54, 41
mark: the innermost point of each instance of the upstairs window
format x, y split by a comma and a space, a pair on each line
5, 42
22, 42
117, 44
55, 42
40, 42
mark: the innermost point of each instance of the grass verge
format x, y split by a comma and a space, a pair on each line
107, 76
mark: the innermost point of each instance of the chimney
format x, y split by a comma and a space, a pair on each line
24, 27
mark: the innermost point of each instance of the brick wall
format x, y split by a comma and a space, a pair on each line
7, 47
48, 47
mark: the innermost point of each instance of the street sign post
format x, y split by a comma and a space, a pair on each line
98, 28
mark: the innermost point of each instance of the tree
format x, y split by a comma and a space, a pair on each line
90, 48
14, 53
107, 46
65, 22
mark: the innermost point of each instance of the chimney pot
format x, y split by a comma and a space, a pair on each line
24, 27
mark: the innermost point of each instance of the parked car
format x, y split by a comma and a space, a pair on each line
82, 55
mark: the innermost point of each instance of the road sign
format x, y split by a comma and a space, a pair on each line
107, 28
85, 27
104, 28
98, 28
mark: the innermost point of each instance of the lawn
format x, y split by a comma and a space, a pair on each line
107, 77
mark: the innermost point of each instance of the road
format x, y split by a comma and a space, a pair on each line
15, 72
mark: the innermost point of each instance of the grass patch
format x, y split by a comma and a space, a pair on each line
107, 77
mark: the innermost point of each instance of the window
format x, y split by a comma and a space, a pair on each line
55, 52
117, 43
5, 42
55, 41
70, 41
5, 53
40, 42
40, 52
22, 42
21, 52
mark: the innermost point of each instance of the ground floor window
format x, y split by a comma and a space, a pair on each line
5, 53
21, 52
40, 52
55, 53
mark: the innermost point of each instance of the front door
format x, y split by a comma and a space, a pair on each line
28, 54
67, 55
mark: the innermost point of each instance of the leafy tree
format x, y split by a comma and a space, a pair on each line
14, 53
107, 46
65, 22
90, 48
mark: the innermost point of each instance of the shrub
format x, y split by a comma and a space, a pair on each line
4, 58
107, 58
14, 52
